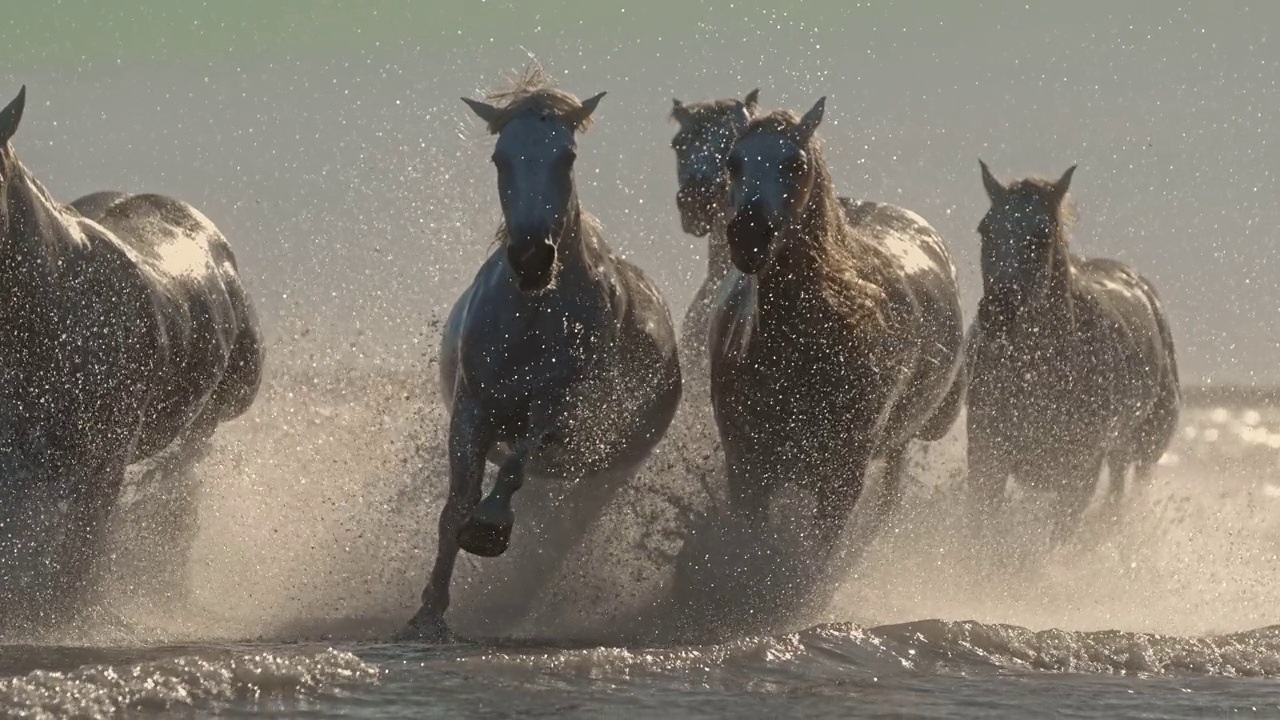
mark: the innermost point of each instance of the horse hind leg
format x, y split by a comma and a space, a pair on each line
171, 521
240, 382
93, 497
888, 497
1118, 464
945, 415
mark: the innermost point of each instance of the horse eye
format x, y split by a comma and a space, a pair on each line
734, 164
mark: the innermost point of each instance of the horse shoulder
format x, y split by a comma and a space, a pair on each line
648, 309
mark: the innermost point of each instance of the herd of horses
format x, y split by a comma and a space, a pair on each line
828, 334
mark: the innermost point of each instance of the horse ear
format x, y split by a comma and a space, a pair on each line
12, 115
752, 101
809, 123
741, 116
995, 188
588, 107
679, 112
1064, 182
485, 111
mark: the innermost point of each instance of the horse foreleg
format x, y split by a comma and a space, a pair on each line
470, 436
487, 532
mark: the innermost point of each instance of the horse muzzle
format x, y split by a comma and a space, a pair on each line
698, 204
750, 236
532, 264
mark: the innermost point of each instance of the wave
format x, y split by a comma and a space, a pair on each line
837, 652
280, 681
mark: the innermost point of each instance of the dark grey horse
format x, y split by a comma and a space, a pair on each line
558, 361
832, 342
707, 132
125, 331
1071, 361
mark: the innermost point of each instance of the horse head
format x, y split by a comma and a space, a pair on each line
534, 157
1023, 239
707, 133
773, 171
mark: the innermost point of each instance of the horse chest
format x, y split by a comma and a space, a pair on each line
511, 363
1025, 387
800, 386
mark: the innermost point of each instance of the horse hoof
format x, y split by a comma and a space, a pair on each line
425, 627
483, 538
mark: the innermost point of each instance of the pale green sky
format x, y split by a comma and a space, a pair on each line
327, 137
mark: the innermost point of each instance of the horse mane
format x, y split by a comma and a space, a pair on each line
535, 92
15, 177
851, 281
1065, 211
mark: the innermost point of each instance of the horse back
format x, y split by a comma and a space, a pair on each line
923, 296
94, 205
1127, 304
920, 282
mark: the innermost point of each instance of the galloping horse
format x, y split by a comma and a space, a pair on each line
124, 332
707, 132
1071, 361
559, 360
831, 342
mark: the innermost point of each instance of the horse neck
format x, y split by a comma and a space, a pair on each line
1049, 313
34, 233
804, 276
719, 262
579, 248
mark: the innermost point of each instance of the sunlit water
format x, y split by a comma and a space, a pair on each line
317, 525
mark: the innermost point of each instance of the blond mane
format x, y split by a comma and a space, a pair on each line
850, 280
535, 92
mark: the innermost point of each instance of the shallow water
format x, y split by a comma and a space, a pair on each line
294, 589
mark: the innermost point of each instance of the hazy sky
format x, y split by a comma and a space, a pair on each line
328, 141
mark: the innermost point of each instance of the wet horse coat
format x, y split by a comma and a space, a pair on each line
831, 342
1072, 361
124, 332
558, 361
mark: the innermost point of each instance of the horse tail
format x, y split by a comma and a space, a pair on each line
240, 382
95, 206
948, 411
1162, 323
1157, 429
